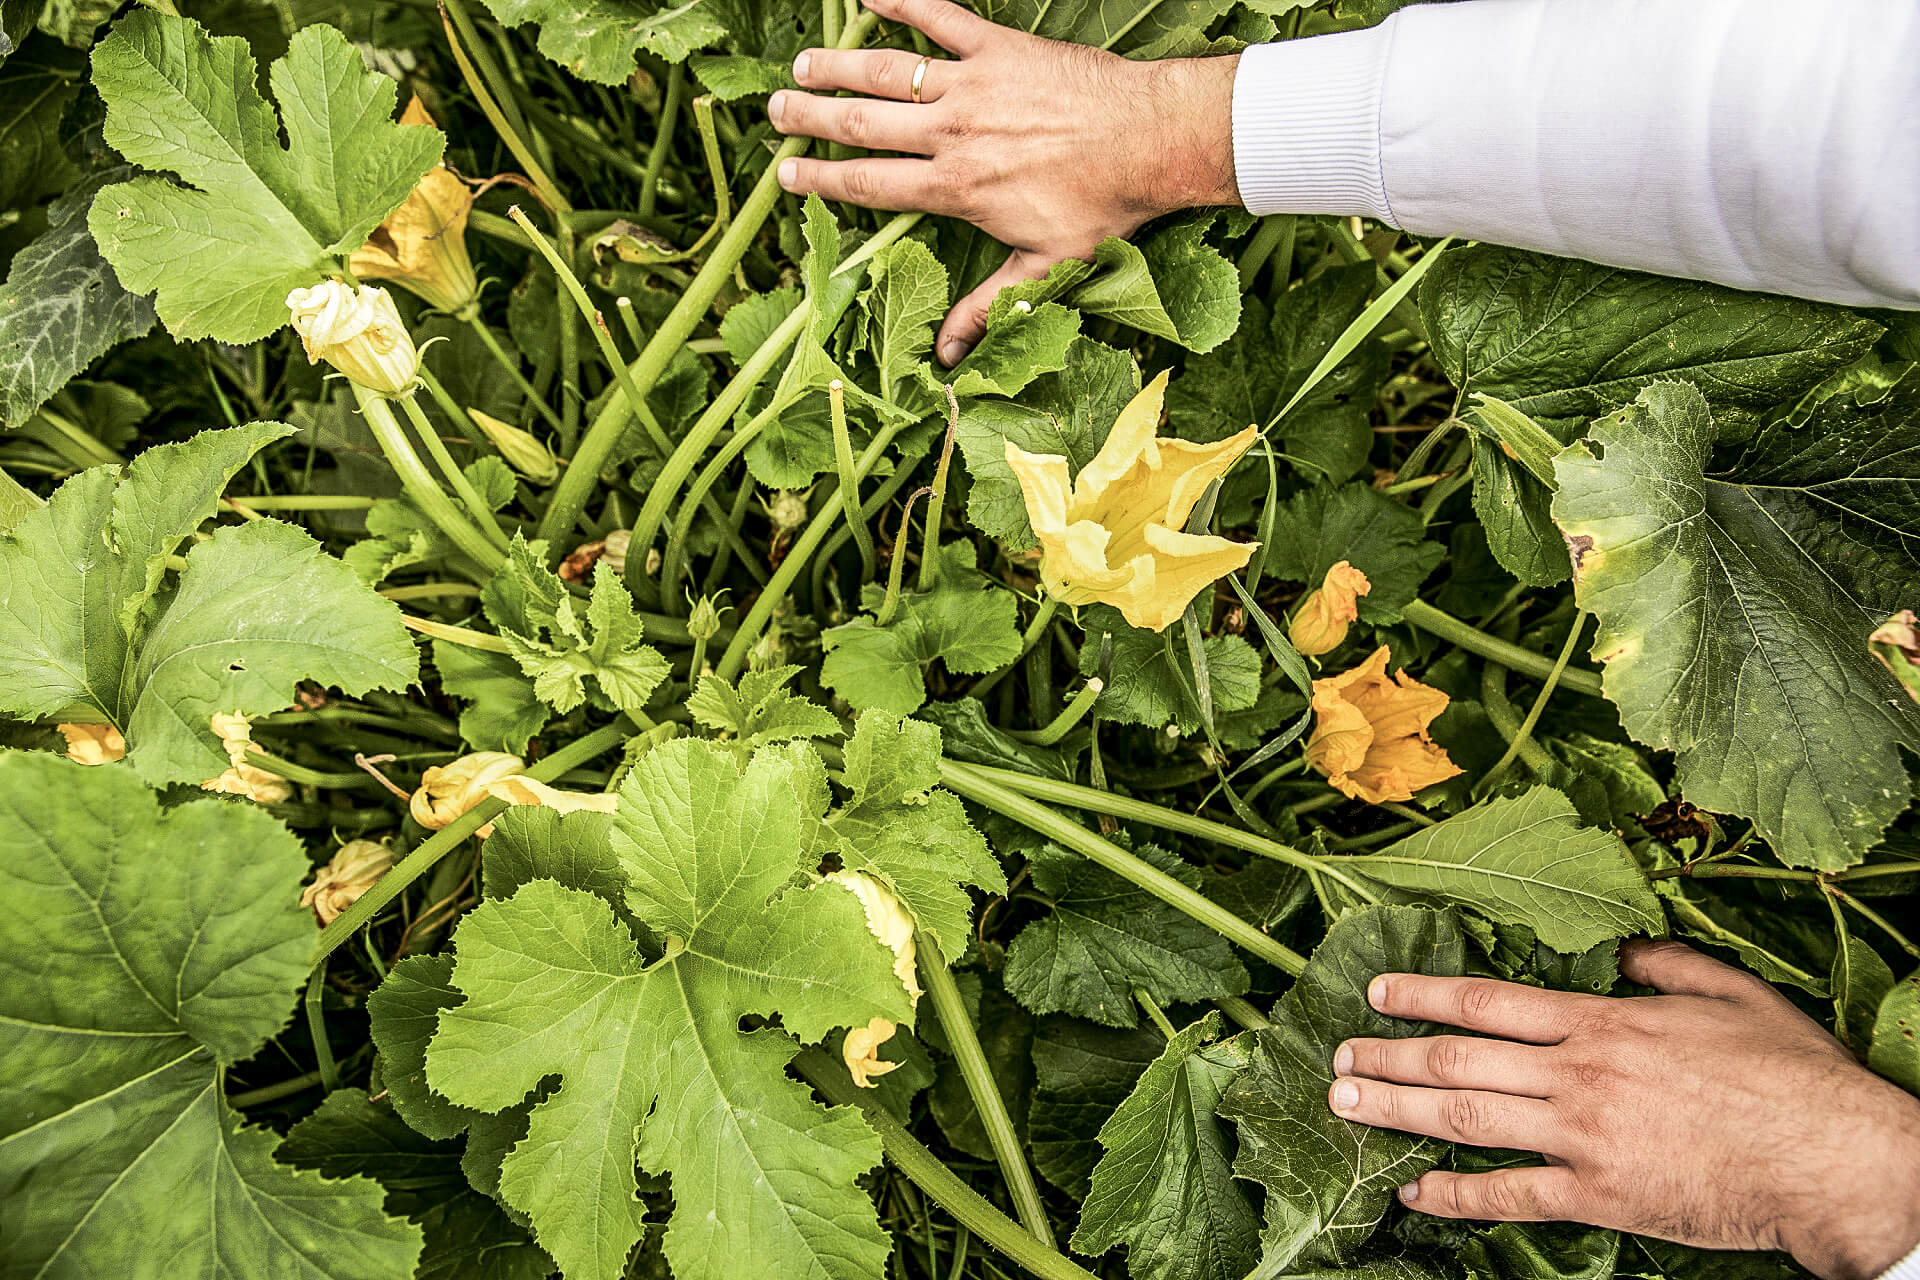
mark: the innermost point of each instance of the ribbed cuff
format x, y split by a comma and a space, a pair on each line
1306, 124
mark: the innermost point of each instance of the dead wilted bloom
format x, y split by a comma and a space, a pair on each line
1896, 642
93, 743
449, 790
524, 790
1370, 732
1320, 626
241, 778
888, 920
356, 868
1115, 533
422, 246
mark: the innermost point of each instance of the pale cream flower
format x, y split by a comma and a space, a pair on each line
241, 778
524, 790
422, 246
356, 868
1896, 642
448, 790
358, 332
1370, 732
861, 1052
93, 743
522, 449
1115, 533
1320, 625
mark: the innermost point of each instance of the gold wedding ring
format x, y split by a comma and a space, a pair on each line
919, 78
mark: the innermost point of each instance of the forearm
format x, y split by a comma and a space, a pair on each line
1752, 142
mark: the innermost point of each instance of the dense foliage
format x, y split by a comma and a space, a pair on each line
723, 851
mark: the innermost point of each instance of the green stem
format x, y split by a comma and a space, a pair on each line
964, 1041
1509, 655
1272, 231
662, 139
1350, 248
939, 1183
448, 838
1061, 725
875, 503
937, 499
1243, 1012
897, 566
465, 637
983, 787
1042, 617
304, 776
1524, 736
419, 483
430, 591
477, 507
273, 1092
1154, 1012
315, 1003
1868, 913
302, 502
849, 483
570, 496
490, 108
512, 367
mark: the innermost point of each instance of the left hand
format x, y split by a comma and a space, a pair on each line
1047, 147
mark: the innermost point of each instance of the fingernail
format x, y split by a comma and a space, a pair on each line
952, 351
1346, 1096
1343, 1060
1377, 991
777, 107
789, 171
1410, 1192
800, 66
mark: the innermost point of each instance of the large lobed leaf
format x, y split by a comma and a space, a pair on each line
142, 952
254, 219
597, 39
1734, 607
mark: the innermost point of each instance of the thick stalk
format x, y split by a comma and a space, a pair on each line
469, 496
939, 1183
1524, 736
964, 1041
512, 368
937, 499
1507, 654
570, 496
662, 139
1061, 725
419, 482
490, 108
448, 838
981, 786
1042, 618
849, 483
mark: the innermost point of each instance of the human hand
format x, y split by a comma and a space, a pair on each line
1047, 147
1713, 1114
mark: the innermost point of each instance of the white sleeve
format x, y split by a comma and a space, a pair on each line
1764, 144
1908, 1268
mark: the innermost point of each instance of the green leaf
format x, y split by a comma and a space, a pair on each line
709, 853
1105, 936
1329, 1180
254, 220
1895, 1052
404, 1012
560, 646
1524, 860
1081, 1073
1564, 340
503, 712
729, 77
35, 92
1137, 28
597, 39
967, 735
61, 307
1861, 980
966, 621
899, 826
760, 709
1172, 285
907, 299
257, 609
142, 952
1151, 681
1018, 347
1252, 378
1165, 1186
1734, 608
1515, 511
1384, 539
1068, 413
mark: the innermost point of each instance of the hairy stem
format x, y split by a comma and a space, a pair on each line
1506, 653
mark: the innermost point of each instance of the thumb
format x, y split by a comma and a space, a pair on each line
966, 324
1676, 969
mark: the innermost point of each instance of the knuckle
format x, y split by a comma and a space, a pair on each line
1465, 1114
1478, 999
860, 185
1447, 1059
877, 76
1502, 1198
856, 125
1587, 1075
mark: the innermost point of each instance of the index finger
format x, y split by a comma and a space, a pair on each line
1505, 1009
946, 24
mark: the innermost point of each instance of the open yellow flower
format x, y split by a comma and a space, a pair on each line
1320, 625
861, 1051
241, 778
93, 743
422, 246
1114, 534
356, 868
1370, 732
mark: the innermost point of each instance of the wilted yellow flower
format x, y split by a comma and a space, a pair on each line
610, 550
358, 332
422, 246
1896, 642
861, 1051
522, 450
1370, 732
1114, 533
241, 778
448, 790
93, 743
356, 868
1320, 625
523, 790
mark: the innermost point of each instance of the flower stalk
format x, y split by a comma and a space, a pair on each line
420, 484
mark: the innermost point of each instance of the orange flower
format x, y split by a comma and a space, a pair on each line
93, 743
1370, 732
1321, 624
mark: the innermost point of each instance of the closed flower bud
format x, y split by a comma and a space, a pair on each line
523, 452
788, 510
703, 622
861, 1051
1896, 642
241, 778
422, 246
1320, 625
358, 332
93, 743
448, 790
338, 885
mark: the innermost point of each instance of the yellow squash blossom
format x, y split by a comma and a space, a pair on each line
522, 790
356, 868
241, 778
93, 743
1370, 732
358, 332
1895, 642
422, 246
888, 920
448, 790
1114, 534
861, 1051
1320, 625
